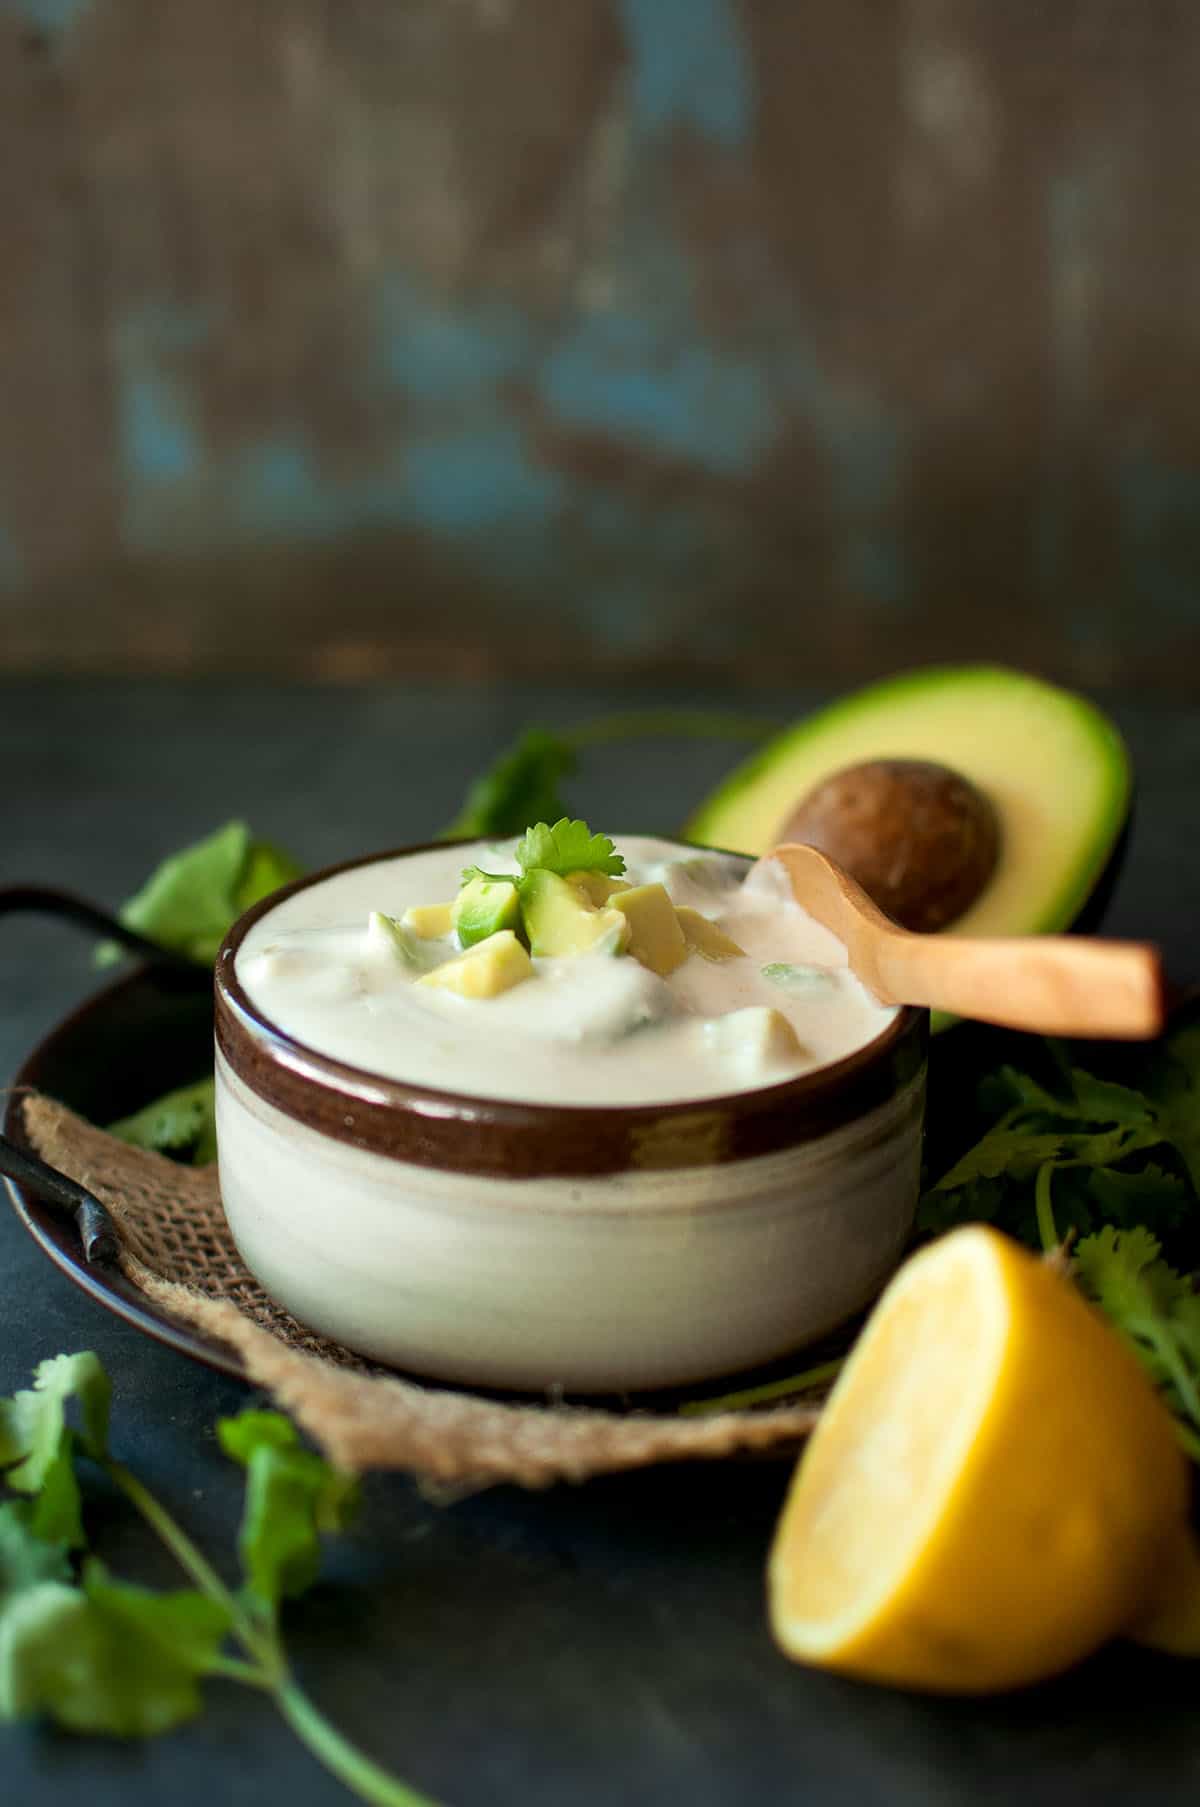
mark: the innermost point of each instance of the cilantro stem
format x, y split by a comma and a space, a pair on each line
176, 1539
1047, 1228
268, 1670
197, 1567
342, 1759
772, 1389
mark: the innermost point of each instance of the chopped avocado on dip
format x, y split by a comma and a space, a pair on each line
556, 970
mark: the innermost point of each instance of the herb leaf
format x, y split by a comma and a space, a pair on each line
521, 787
26, 1558
32, 1422
1123, 1157
189, 901
56, 1511
1153, 1308
1170, 1078
104, 1655
107, 1656
567, 846
292, 1496
523, 784
37, 1445
183, 1121
1090, 1129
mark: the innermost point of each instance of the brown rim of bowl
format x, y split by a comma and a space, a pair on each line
433, 1127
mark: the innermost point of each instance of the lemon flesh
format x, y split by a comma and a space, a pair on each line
991, 1490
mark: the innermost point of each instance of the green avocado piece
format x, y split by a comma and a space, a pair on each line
560, 918
484, 907
385, 935
1053, 767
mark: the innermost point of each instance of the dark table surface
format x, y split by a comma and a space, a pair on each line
598, 1644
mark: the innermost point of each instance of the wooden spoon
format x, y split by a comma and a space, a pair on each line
1050, 984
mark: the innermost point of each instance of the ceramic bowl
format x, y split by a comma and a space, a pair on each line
542, 1247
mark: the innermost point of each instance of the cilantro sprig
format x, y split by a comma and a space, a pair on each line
567, 846
1082, 1150
99, 1654
1105, 1162
560, 847
1156, 1311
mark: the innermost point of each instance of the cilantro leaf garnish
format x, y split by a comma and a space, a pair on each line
100, 1654
567, 846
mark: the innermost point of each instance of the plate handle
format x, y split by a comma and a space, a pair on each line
45, 900
95, 1226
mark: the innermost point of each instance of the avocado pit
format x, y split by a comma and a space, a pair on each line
920, 839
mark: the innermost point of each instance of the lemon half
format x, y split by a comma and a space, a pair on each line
993, 1488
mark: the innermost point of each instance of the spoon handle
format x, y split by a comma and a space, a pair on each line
1050, 984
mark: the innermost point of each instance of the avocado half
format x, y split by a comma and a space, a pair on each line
1053, 766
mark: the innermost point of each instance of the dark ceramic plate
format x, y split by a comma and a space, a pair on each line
132, 1041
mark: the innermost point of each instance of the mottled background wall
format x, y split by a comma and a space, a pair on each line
776, 337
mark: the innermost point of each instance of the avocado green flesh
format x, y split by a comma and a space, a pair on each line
559, 921
1053, 766
483, 907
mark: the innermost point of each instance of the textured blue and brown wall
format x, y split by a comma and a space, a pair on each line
763, 337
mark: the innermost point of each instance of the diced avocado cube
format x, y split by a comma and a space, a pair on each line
560, 918
429, 922
704, 937
484, 907
757, 1037
655, 937
485, 970
597, 887
387, 936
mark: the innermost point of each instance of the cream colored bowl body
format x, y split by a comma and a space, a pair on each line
632, 1280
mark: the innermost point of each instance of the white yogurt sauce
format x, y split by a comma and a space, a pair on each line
588, 1029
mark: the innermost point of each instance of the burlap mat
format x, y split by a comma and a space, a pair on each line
176, 1249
